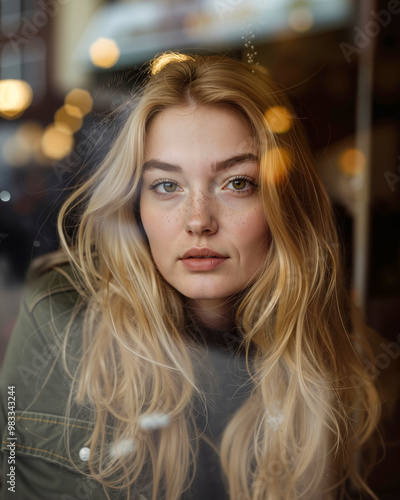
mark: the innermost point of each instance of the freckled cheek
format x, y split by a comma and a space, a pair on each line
251, 233
252, 223
161, 228
161, 238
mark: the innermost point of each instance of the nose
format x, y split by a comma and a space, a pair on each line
201, 217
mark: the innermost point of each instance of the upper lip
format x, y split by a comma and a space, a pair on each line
202, 252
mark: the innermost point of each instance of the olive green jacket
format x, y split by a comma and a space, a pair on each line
42, 467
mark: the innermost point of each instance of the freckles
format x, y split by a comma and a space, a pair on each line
163, 220
180, 215
253, 219
252, 226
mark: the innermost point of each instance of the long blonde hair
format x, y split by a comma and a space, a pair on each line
302, 431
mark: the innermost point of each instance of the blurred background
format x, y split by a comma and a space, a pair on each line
66, 64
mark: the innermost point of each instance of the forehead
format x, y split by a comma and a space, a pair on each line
199, 131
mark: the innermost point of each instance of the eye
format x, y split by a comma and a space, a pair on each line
242, 184
164, 187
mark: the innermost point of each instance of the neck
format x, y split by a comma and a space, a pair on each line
213, 314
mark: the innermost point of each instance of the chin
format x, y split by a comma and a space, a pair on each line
204, 294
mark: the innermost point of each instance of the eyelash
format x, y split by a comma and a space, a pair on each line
240, 192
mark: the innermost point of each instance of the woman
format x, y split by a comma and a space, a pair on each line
200, 343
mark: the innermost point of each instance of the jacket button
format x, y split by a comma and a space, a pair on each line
84, 454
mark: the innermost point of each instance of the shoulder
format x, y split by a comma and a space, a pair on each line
50, 301
57, 285
51, 307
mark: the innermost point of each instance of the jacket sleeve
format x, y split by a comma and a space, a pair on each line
35, 460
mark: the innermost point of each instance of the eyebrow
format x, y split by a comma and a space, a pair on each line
217, 166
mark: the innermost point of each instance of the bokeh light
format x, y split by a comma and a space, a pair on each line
78, 102
15, 97
195, 24
56, 143
279, 119
63, 119
5, 196
19, 149
31, 132
104, 52
15, 152
352, 161
278, 163
301, 19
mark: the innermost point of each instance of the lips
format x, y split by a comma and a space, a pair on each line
202, 253
202, 259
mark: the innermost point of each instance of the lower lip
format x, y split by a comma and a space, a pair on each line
203, 264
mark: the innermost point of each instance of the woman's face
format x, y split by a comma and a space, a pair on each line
200, 206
